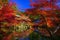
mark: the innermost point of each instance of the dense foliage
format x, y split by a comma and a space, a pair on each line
40, 22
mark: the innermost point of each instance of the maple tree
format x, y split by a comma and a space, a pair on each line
44, 16
48, 15
10, 21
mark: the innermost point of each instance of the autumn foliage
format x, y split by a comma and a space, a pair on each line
43, 15
47, 9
